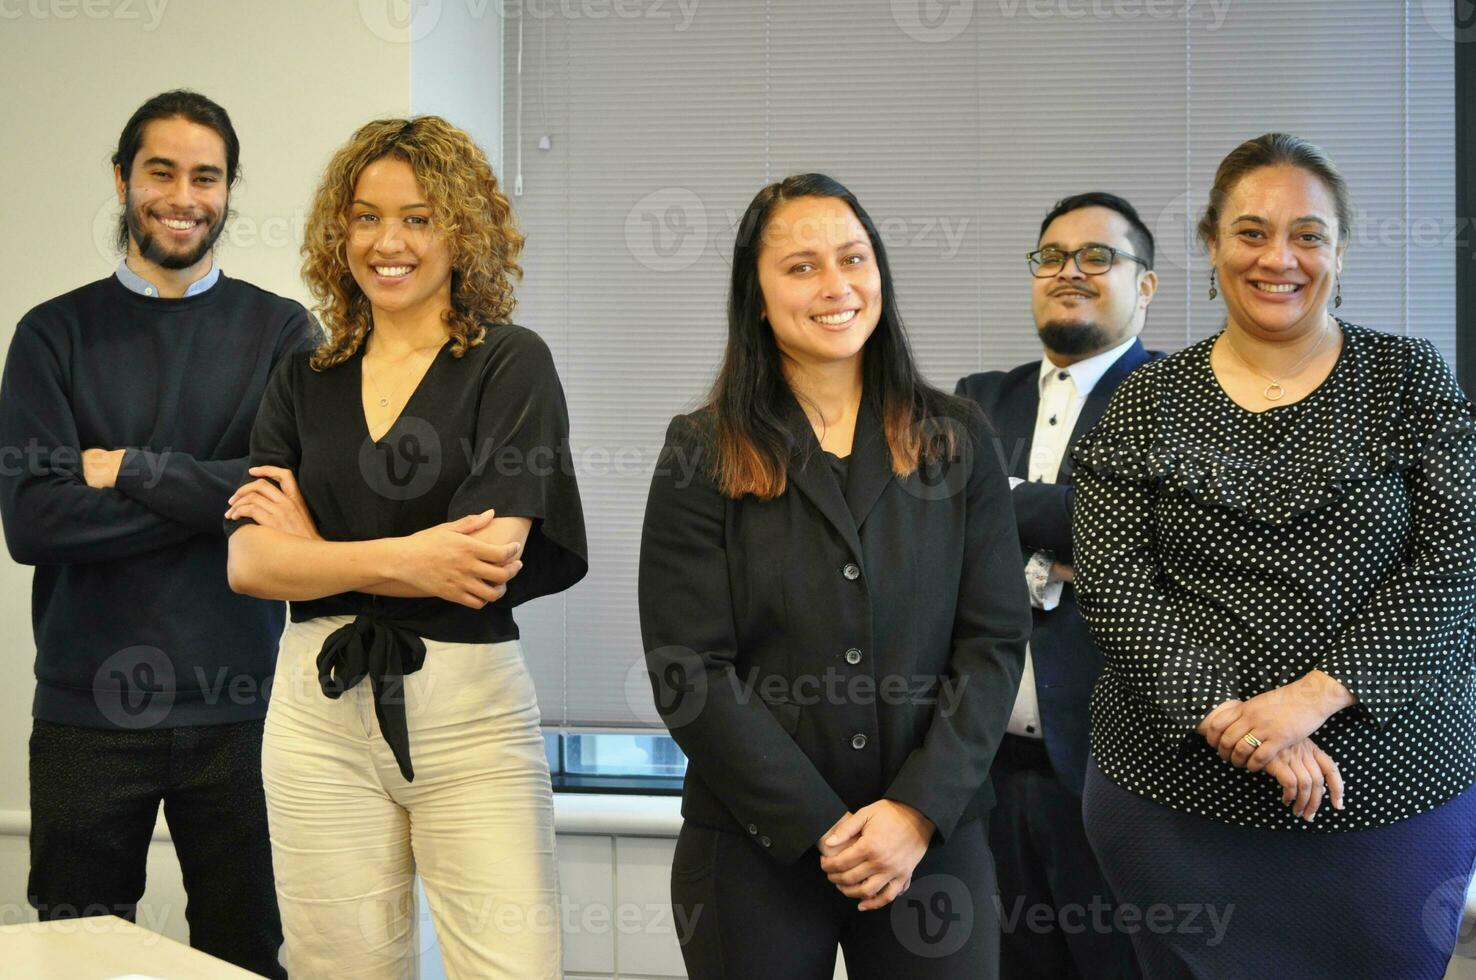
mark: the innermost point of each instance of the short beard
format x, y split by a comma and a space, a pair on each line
1074, 339
161, 256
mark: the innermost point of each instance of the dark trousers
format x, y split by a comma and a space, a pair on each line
1056, 911
95, 794
742, 916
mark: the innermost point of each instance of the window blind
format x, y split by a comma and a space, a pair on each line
645, 132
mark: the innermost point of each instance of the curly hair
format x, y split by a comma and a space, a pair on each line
467, 207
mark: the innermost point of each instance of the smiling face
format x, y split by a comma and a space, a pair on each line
175, 197
1276, 252
395, 252
1080, 315
820, 282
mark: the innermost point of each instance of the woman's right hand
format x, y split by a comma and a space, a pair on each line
448, 562
1304, 771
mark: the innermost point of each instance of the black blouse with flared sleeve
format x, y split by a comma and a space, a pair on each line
489, 429
1221, 553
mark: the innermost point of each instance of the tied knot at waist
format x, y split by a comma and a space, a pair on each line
385, 652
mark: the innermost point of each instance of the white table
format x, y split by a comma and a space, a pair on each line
103, 947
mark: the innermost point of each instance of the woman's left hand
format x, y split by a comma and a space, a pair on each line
1279, 718
277, 505
880, 845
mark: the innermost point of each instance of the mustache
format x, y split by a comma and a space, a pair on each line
158, 253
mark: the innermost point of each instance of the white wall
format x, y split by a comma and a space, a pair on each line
456, 69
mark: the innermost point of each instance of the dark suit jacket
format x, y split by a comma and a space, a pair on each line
1065, 660
817, 652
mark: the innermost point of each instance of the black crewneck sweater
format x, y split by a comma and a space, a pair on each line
135, 625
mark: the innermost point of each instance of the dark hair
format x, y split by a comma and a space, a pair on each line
183, 104
1138, 232
1270, 150
750, 432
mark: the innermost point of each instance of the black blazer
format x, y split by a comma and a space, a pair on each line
1065, 660
835, 645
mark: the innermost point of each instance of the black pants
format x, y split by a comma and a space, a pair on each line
1055, 907
95, 794
742, 916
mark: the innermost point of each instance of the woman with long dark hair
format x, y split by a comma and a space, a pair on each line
834, 621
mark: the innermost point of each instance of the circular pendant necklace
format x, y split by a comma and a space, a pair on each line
383, 399
1275, 391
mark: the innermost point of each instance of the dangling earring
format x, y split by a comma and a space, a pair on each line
1213, 291
1338, 291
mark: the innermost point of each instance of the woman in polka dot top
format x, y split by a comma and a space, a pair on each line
1275, 537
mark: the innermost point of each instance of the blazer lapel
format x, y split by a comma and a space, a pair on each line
1096, 403
816, 481
870, 466
1016, 423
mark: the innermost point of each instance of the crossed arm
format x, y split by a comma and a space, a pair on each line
468, 561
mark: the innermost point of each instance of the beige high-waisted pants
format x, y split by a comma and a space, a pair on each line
349, 833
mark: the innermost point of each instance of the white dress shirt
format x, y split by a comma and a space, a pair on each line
1063, 391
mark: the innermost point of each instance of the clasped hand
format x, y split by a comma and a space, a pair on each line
870, 854
1282, 721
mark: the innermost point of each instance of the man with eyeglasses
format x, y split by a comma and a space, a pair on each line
1093, 281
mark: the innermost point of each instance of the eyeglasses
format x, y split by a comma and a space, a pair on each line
1092, 260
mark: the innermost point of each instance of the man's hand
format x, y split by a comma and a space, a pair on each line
871, 854
100, 467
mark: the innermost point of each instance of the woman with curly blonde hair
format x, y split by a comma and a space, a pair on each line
412, 484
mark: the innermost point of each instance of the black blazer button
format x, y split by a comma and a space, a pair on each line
753, 828
858, 741
852, 571
853, 656
765, 841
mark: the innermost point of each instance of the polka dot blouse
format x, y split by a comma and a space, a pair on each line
1222, 552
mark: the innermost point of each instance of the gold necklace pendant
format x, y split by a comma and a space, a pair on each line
1274, 392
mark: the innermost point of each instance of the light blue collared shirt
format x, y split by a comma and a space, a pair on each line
138, 284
